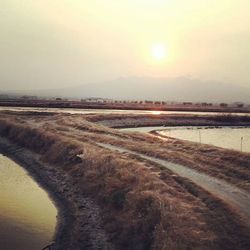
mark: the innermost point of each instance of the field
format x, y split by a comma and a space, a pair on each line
120, 190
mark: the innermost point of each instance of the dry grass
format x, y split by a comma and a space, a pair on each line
230, 165
143, 205
130, 120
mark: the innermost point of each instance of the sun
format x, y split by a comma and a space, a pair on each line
159, 51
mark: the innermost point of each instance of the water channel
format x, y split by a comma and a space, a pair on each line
27, 214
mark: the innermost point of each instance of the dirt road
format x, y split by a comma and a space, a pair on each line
238, 199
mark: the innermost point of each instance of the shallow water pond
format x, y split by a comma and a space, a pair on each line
225, 137
236, 138
27, 215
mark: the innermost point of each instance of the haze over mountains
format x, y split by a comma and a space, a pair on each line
47, 47
142, 88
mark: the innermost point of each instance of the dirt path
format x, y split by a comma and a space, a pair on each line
238, 199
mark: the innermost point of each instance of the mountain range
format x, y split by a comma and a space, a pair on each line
149, 88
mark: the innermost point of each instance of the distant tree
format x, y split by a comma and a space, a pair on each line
157, 102
240, 105
204, 104
187, 103
224, 105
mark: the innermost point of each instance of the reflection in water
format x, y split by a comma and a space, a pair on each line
226, 137
112, 111
27, 215
156, 112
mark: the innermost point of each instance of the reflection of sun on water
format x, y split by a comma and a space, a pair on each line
156, 112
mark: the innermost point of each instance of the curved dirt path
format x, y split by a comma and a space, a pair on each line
237, 198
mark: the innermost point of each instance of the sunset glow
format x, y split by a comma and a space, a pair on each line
72, 43
135, 114
159, 51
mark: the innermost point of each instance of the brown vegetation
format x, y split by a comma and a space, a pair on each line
123, 121
96, 103
230, 165
144, 206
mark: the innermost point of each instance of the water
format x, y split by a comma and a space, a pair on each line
112, 111
225, 137
27, 215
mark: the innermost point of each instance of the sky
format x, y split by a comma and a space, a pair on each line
53, 44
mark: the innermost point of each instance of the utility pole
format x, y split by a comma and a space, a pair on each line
199, 135
241, 143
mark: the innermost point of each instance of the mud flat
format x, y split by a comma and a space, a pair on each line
121, 200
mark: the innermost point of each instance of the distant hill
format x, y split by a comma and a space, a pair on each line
172, 89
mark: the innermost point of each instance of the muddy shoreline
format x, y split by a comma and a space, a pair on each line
67, 214
11, 151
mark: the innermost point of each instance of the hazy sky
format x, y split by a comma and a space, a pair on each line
57, 43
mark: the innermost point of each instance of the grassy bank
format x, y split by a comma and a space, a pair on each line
157, 119
142, 205
229, 165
